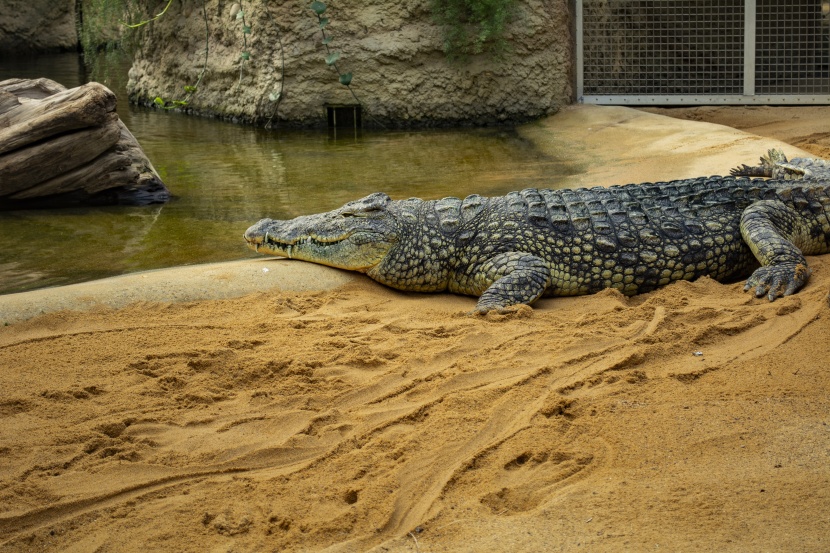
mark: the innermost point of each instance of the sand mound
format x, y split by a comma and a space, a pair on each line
805, 127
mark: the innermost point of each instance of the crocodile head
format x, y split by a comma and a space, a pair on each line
356, 236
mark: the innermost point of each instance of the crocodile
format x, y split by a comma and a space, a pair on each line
513, 249
775, 165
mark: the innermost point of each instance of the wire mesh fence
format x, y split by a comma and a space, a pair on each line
674, 49
792, 54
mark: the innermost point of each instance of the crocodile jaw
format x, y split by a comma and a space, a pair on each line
317, 240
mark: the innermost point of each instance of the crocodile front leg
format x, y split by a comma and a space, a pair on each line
777, 235
508, 279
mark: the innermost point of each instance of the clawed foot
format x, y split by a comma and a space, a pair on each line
515, 309
778, 280
746, 171
484, 309
766, 169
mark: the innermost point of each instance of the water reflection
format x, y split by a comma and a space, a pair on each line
225, 177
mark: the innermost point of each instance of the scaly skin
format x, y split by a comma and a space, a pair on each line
513, 249
775, 165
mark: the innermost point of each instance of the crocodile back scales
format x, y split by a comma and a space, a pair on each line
631, 237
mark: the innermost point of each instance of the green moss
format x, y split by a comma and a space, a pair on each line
106, 42
473, 26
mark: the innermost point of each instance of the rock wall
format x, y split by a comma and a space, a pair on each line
37, 26
392, 47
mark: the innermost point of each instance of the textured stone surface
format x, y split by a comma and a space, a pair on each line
391, 46
37, 25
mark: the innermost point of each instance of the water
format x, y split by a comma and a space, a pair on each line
225, 177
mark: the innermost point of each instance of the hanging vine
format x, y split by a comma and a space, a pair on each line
190, 90
319, 8
276, 96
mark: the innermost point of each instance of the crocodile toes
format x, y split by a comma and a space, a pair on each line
520, 310
487, 308
778, 280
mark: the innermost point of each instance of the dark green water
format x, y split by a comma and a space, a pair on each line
225, 177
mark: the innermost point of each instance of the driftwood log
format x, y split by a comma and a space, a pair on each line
63, 146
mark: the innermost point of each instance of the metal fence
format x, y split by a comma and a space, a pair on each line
703, 52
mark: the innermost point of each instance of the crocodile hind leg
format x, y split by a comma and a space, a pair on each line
775, 165
765, 169
510, 278
777, 235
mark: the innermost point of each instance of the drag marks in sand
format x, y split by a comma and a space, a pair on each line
350, 419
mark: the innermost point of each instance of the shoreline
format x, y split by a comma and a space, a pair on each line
206, 281
615, 145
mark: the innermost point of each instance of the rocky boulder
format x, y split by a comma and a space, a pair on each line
37, 26
392, 48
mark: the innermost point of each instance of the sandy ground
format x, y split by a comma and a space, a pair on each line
358, 418
804, 127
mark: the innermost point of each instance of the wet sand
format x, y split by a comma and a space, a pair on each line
352, 417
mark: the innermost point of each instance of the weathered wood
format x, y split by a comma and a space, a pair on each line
89, 105
7, 101
36, 89
116, 168
129, 146
105, 171
32, 165
60, 147
147, 177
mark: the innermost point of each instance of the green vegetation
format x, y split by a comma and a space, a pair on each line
142, 23
102, 37
276, 96
319, 8
245, 55
190, 90
473, 26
